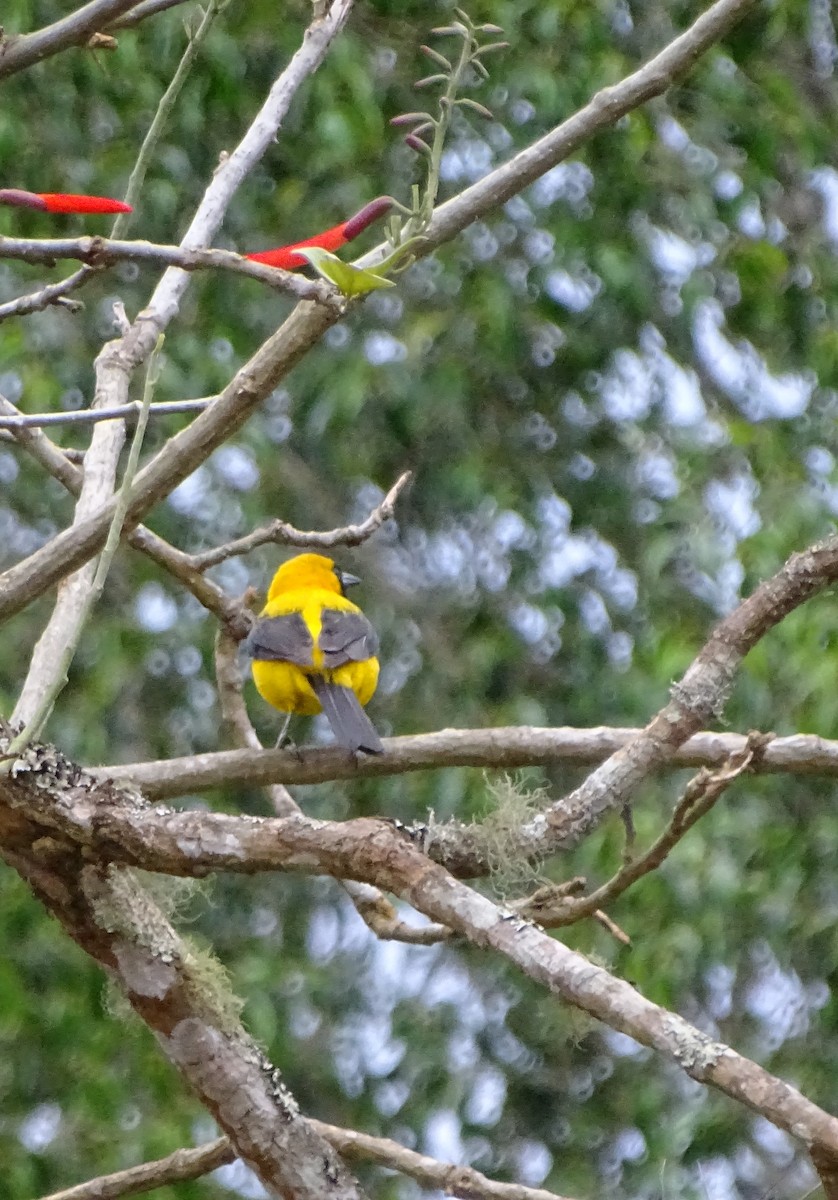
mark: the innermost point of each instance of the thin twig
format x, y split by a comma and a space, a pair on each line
102, 252
53, 293
91, 416
361, 1147
174, 1168
280, 533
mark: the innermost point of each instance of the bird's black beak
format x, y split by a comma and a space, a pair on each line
346, 580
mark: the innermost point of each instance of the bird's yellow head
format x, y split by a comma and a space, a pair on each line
310, 571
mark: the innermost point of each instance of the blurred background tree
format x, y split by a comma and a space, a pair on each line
618, 396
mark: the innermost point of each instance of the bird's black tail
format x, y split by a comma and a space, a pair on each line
350, 724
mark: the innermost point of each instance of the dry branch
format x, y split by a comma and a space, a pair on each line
490, 749
174, 1168
141, 11
181, 996
280, 533
554, 906
52, 293
193, 1163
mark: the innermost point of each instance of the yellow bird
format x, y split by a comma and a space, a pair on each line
315, 651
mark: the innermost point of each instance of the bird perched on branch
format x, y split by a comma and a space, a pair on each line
314, 651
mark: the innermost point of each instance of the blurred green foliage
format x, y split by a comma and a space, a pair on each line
618, 395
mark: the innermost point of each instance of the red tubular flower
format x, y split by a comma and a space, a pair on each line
61, 202
329, 239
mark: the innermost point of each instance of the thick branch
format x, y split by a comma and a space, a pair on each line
502, 748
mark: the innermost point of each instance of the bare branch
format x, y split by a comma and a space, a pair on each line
21, 584
91, 416
53, 293
698, 798
280, 533
447, 1177
361, 1147
19, 51
489, 749
174, 1168
101, 252
179, 565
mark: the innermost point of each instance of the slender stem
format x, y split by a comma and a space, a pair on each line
164, 110
151, 376
33, 727
443, 124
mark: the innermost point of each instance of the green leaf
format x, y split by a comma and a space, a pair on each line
352, 281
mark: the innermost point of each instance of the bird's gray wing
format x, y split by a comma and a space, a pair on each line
346, 637
281, 639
